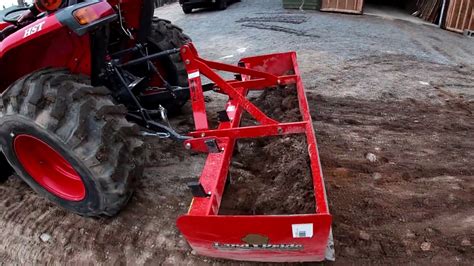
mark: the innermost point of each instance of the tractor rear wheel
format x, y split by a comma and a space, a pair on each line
70, 142
165, 36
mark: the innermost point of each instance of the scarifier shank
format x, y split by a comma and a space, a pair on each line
267, 238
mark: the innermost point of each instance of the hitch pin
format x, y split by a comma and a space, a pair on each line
160, 135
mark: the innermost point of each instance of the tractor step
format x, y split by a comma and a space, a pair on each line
266, 238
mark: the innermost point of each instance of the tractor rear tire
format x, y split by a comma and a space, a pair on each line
166, 36
97, 152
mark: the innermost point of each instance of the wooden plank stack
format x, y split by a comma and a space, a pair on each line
429, 10
343, 6
303, 4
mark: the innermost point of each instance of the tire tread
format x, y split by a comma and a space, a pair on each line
89, 123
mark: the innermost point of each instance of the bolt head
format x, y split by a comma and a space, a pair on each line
188, 146
187, 62
203, 135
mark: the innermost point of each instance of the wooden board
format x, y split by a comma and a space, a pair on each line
460, 15
343, 6
430, 9
304, 4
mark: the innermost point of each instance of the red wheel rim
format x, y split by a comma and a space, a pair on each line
49, 169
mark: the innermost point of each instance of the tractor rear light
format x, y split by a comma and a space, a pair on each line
85, 15
89, 14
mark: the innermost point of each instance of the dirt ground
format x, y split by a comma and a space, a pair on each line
395, 135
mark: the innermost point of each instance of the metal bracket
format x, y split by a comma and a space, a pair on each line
124, 29
212, 146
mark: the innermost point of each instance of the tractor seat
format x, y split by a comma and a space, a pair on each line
7, 31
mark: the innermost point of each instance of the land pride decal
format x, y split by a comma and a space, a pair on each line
259, 247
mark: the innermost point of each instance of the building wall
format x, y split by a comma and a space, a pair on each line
460, 15
346, 6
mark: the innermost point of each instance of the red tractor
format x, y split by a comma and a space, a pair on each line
55, 104
82, 85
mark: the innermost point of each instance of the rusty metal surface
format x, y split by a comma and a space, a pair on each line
343, 6
460, 15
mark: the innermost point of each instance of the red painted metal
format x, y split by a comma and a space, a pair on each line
4, 24
49, 168
224, 236
67, 50
51, 44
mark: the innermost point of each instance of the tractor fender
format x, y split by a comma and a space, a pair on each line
57, 40
37, 29
44, 43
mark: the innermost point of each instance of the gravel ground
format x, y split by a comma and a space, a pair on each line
399, 92
322, 40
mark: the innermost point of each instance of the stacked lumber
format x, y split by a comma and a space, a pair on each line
302, 4
429, 10
343, 6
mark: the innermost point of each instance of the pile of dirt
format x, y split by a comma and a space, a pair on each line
280, 104
271, 175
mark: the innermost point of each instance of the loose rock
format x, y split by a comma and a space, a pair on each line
377, 176
425, 246
45, 237
466, 242
364, 235
371, 157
